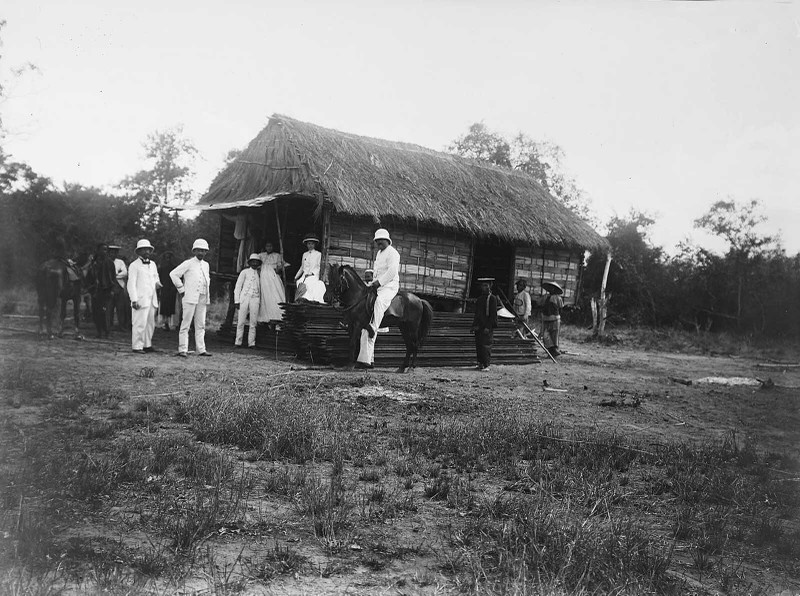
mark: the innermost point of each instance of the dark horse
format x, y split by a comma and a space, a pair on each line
410, 313
58, 282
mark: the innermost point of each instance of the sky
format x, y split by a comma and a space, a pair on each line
660, 106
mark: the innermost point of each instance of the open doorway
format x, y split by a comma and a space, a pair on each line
492, 258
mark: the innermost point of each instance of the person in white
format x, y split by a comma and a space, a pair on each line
121, 302
142, 285
387, 281
309, 285
272, 290
193, 282
247, 296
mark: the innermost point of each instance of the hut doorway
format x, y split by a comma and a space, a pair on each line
492, 258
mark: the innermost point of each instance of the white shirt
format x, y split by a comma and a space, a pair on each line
312, 260
196, 280
248, 285
122, 271
387, 268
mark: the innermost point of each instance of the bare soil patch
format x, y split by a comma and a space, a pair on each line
240, 473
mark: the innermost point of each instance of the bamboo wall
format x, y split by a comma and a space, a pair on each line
432, 262
536, 264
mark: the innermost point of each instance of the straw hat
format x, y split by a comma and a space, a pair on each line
552, 287
310, 238
254, 257
201, 244
144, 244
487, 280
382, 234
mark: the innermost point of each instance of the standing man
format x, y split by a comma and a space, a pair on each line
102, 280
522, 308
484, 323
193, 282
142, 285
551, 316
121, 301
387, 282
247, 295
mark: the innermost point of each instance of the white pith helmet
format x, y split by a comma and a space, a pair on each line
200, 243
144, 244
382, 234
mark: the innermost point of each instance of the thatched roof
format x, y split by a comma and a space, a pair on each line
381, 179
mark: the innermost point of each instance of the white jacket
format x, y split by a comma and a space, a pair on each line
248, 285
387, 268
193, 279
143, 282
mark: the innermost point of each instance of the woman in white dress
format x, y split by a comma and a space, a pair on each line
309, 285
272, 290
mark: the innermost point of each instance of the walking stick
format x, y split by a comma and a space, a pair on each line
510, 307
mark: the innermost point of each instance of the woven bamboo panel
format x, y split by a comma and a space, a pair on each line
536, 264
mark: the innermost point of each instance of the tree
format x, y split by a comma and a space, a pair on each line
167, 181
737, 224
542, 160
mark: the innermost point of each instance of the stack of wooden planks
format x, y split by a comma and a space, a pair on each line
313, 332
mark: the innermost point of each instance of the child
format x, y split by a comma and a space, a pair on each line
247, 295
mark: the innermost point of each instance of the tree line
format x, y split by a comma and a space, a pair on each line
753, 288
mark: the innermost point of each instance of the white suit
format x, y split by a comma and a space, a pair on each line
193, 280
387, 272
142, 285
247, 294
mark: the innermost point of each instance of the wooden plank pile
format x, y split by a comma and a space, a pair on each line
315, 333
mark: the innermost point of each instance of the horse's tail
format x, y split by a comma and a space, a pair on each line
425, 323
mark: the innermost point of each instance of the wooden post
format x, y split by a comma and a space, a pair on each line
470, 268
280, 242
326, 241
601, 323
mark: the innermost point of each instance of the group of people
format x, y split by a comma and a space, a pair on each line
260, 290
192, 282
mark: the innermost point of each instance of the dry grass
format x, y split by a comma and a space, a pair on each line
515, 504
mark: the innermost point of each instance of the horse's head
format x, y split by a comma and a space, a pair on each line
343, 284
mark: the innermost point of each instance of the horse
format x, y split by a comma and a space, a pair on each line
410, 313
58, 282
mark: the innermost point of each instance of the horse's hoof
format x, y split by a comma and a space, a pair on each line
79, 337
401, 370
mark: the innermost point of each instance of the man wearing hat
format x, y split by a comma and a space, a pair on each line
121, 303
522, 307
142, 285
386, 273
101, 281
192, 279
309, 285
247, 296
551, 316
484, 323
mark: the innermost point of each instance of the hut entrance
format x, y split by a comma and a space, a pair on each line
492, 258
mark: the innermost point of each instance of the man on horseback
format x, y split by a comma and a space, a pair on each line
386, 284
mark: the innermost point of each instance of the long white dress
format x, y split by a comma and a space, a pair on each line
272, 290
314, 290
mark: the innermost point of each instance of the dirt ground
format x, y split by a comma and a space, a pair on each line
654, 397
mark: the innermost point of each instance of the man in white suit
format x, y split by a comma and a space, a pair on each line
193, 282
142, 285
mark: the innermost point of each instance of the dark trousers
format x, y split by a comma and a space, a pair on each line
120, 304
483, 346
101, 311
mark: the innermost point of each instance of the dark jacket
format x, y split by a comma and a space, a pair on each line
481, 320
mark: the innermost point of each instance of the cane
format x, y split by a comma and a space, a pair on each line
510, 307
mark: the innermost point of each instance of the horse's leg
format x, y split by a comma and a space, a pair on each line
407, 340
355, 342
414, 333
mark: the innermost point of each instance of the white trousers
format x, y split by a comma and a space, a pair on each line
248, 305
143, 323
196, 313
366, 353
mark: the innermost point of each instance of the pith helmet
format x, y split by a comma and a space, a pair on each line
200, 243
144, 244
382, 234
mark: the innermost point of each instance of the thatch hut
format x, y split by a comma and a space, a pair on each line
452, 219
